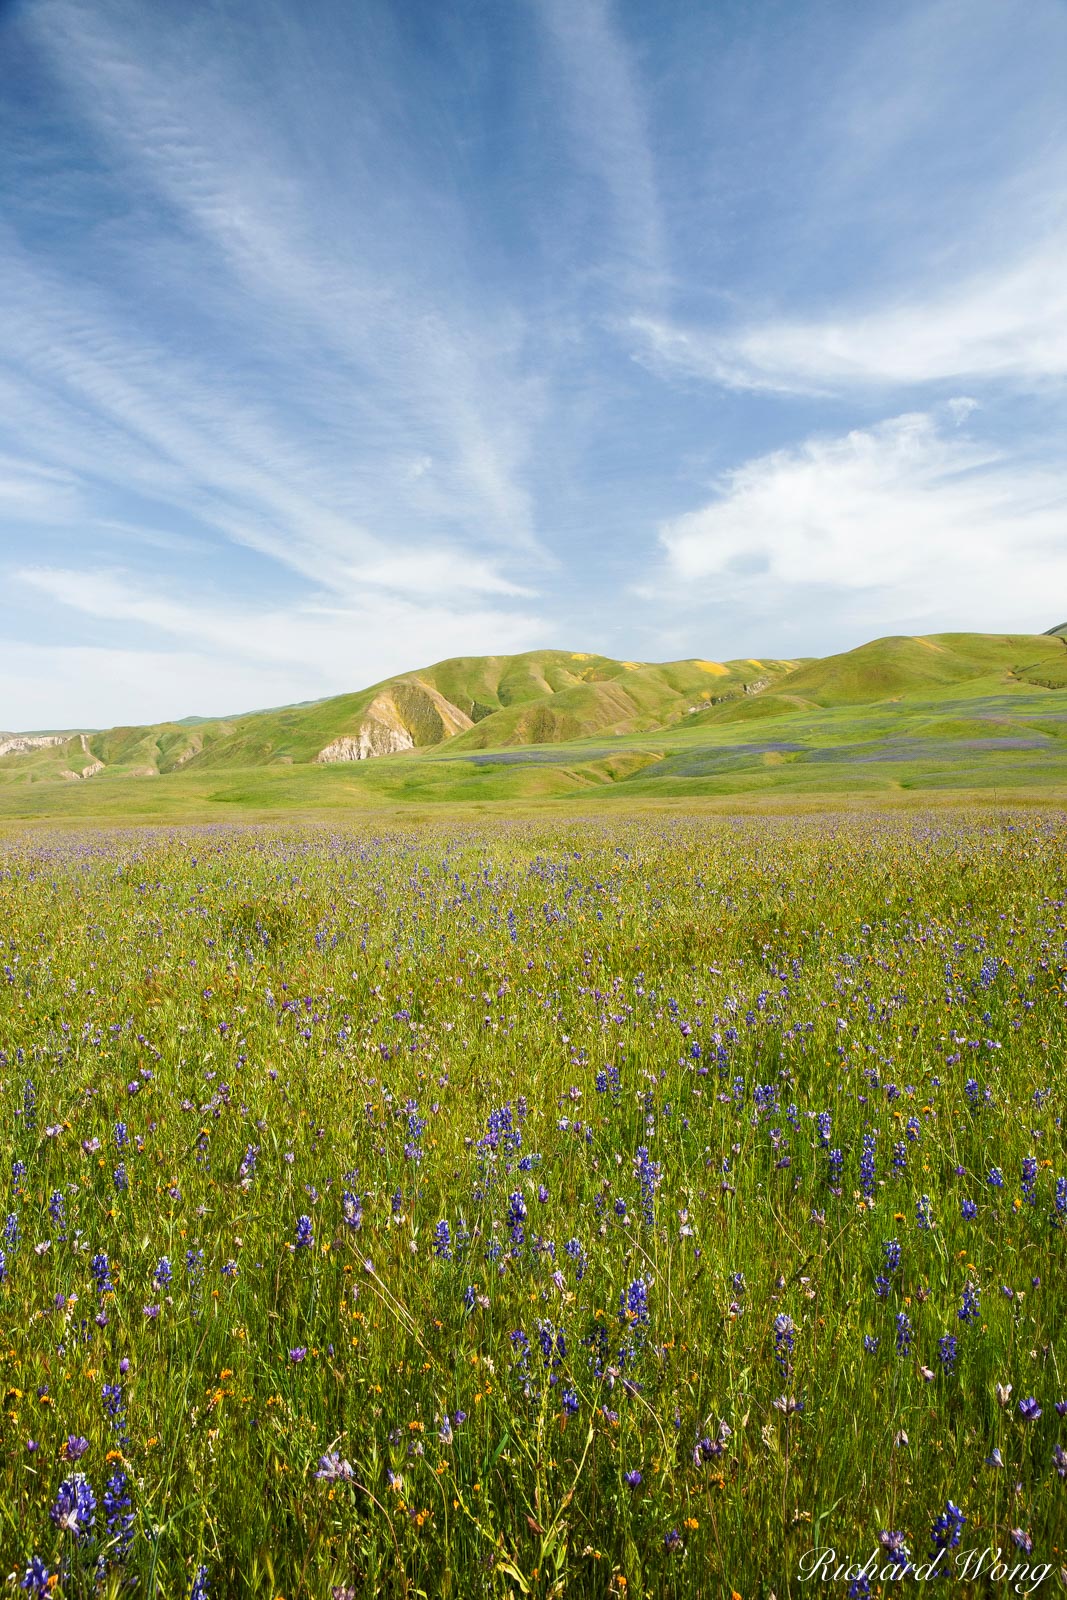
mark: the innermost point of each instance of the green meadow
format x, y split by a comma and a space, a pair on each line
570, 1205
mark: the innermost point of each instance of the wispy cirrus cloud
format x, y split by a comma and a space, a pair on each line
319, 331
608, 116
303, 646
1008, 323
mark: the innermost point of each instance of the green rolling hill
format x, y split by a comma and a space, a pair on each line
959, 711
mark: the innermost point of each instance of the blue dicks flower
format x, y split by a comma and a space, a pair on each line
74, 1447
74, 1510
1029, 1409
298, 1353
633, 1479
305, 1238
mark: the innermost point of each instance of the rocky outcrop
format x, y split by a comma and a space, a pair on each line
86, 772
407, 716
21, 744
371, 740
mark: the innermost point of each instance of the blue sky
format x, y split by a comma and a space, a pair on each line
340, 338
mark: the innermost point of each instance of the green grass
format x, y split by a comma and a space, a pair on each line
343, 996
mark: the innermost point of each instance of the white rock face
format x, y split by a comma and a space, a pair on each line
87, 772
372, 740
394, 719
20, 744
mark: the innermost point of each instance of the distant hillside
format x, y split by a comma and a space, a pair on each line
900, 667
548, 721
470, 702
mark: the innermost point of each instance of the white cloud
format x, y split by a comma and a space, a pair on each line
894, 523
209, 660
1007, 323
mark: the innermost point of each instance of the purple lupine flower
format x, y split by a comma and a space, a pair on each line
867, 1167
118, 1509
945, 1533
305, 1238
37, 1580
783, 1343
968, 1311
442, 1241
74, 1510
101, 1271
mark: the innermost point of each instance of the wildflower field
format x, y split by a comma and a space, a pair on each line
536, 1208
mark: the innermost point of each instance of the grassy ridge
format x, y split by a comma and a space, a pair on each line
962, 713
726, 1126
